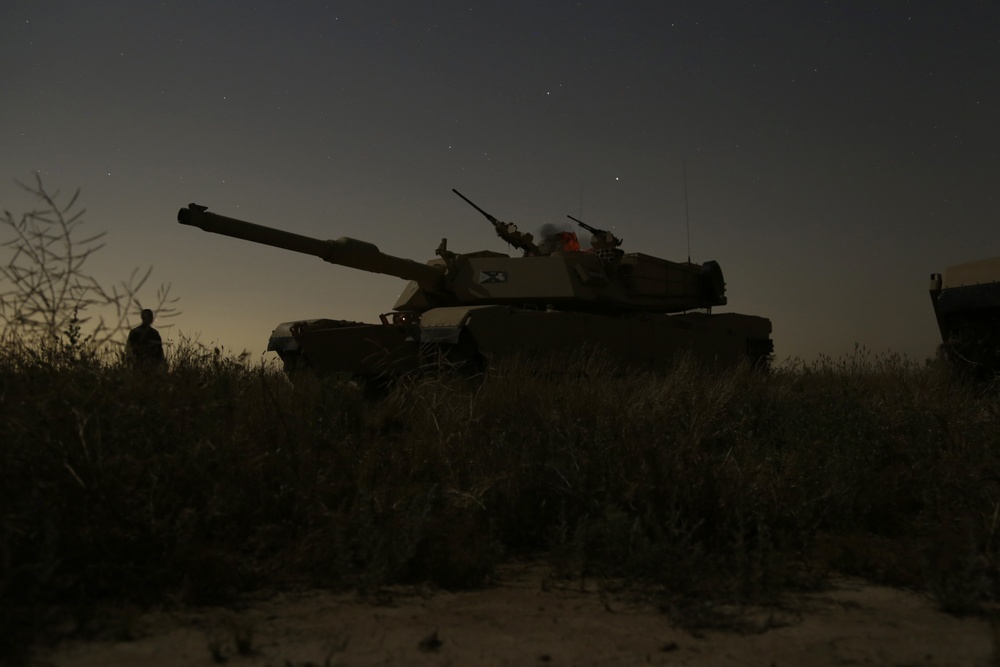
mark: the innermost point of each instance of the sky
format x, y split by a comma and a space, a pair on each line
829, 155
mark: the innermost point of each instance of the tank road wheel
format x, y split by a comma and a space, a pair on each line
973, 359
373, 388
461, 358
293, 363
972, 347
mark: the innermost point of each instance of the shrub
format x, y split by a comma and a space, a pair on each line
221, 477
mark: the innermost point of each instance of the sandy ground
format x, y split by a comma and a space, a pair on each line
529, 619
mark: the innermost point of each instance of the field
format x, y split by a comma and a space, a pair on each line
220, 479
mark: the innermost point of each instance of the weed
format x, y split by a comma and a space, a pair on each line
220, 478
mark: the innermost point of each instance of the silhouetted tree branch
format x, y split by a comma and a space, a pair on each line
45, 290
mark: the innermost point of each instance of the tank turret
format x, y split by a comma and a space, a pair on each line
488, 303
569, 280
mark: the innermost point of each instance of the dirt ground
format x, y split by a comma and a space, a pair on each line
530, 619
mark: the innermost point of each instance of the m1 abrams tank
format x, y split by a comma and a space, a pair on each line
471, 308
966, 299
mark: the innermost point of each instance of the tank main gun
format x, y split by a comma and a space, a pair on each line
507, 230
344, 251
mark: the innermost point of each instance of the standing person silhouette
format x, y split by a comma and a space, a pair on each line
144, 347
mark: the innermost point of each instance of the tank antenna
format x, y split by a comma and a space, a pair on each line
687, 214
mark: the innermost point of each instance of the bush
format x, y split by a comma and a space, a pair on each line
220, 477
47, 295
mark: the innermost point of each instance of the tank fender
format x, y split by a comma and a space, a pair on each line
445, 325
282, 340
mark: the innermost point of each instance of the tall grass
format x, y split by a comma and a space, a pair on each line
220, 477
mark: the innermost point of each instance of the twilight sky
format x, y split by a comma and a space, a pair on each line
836, 153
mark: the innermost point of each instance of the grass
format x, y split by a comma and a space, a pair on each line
220, 477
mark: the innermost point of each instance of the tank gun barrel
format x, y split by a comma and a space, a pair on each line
344, 251
506, 230
595, 231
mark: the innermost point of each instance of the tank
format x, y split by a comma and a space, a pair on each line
966, 300
552, 297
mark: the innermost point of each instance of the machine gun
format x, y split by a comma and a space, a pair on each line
507, 231
602, 235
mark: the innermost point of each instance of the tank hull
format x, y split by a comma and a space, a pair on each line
966, 300
492, 333
330, 347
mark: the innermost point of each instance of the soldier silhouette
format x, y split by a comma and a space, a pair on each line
144, 347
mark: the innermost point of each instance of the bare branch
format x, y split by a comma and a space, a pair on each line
45, 289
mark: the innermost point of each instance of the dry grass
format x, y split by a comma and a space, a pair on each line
220, 477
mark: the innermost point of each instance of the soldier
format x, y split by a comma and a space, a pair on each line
144, 346
605, 246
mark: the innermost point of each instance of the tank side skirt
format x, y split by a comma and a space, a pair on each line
726, 338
